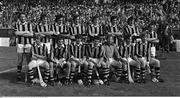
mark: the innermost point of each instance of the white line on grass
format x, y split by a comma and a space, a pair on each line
7, 70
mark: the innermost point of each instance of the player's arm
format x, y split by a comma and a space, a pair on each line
116, 54
33, 54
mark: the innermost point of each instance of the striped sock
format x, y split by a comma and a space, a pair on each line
89, 75
72, 76
119, 72
51, 78
153, 75
19, 68
105, 73
46, 76
125, 74
31, 76
138, 72
157, 70
143, 70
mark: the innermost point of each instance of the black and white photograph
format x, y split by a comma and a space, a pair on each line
93, 48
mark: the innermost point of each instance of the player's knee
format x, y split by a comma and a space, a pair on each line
47, 66
157, 63
31, 64
68, 65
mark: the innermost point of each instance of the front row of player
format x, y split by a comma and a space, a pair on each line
91, 63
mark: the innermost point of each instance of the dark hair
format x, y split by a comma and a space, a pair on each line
58, 17
43, 16
21, 13
94, 17
113, 17
130, 19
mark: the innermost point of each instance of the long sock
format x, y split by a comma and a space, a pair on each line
138, 72
119, 72
105, 73
72, 76
19, 68
143, 70
89, 75
157, 70
125, 74
153, 75
30, 74
46, 76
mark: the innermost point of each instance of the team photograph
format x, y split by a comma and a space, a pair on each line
89, 48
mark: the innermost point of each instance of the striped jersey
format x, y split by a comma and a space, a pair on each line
24, 27
44, 28
78, 50
142, 50
77, 29
61, 29
152, 34
131, 29
40, 50
96, 30
95, 52
128, 50
114, 29
60, 52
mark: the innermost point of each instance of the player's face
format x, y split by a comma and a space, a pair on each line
23, 18
114, 21
96, 20
60, 21
38, 42
45, 20
78, 41
131, 22
77, 21
110, 39
60, 42
96, 42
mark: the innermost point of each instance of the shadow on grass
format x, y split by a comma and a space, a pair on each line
10, 77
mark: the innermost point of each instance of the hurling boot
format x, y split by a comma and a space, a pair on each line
157, 70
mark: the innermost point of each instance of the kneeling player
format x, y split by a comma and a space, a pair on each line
59, 55
39, 59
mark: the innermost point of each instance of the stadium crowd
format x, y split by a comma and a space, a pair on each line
89, 42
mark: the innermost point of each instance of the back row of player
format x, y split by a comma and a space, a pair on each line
90, 48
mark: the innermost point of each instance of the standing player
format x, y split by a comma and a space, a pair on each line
113, 28
77, 28
24, 40
96, 29
39, 58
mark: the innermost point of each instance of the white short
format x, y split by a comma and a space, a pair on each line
153, 51
128, 59
35, 63
93, 60
24, 48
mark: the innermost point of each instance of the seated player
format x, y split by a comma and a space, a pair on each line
131, 58
59, 56
78, 59
112, 59
95, 58
39, 59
